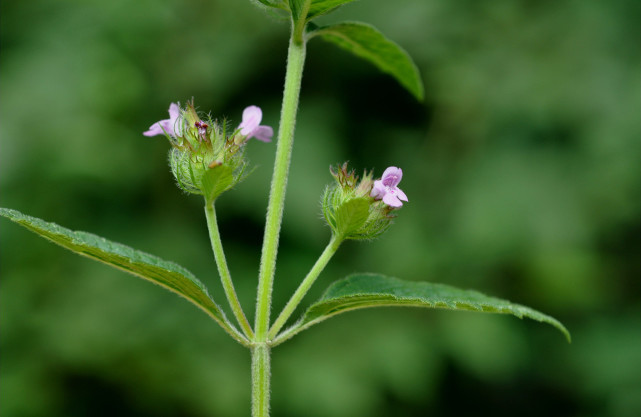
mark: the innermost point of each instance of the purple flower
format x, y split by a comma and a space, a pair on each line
250, 126
386, 188
167, 126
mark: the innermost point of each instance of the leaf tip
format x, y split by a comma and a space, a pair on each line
419, 94
565, 332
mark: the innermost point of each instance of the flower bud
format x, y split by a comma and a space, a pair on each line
349, 209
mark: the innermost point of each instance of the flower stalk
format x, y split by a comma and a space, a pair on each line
223, 271
305, 285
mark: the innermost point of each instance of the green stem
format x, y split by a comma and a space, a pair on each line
293, 77
223, 270
292, 331
260, 380
304, 286
300, 20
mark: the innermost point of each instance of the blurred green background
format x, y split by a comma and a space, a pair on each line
522, 170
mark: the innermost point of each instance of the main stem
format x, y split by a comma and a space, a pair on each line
223, 270
260, 380
304, 286
293, 77
260, 351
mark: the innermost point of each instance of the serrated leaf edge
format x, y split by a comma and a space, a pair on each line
26, 221
516, 310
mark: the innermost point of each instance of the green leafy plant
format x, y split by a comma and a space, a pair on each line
207, 158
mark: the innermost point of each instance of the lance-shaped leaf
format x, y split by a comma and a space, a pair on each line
164, 273
277, 4
367, 42
372, 290
321, 7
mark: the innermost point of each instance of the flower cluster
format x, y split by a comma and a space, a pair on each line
361, 209
204, 158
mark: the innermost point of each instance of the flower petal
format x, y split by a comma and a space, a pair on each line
154, 130
392, 176
252, 116
391, 200
400, 194
174, 111
166, 126
263, 133
378, 190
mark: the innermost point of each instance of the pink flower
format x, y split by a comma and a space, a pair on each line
250, 126
167, 126
386, 188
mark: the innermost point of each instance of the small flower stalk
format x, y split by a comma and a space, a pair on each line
361, 209
204, 158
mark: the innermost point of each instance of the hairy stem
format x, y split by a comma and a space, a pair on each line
223, 270
304, 286
293, 77
260, 380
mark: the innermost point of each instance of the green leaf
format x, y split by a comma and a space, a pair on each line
321, 7
167, 274
372, 290
367, 42
217, 180
277, 4
351, 216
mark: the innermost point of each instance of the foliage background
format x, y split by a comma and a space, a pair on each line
521, 167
